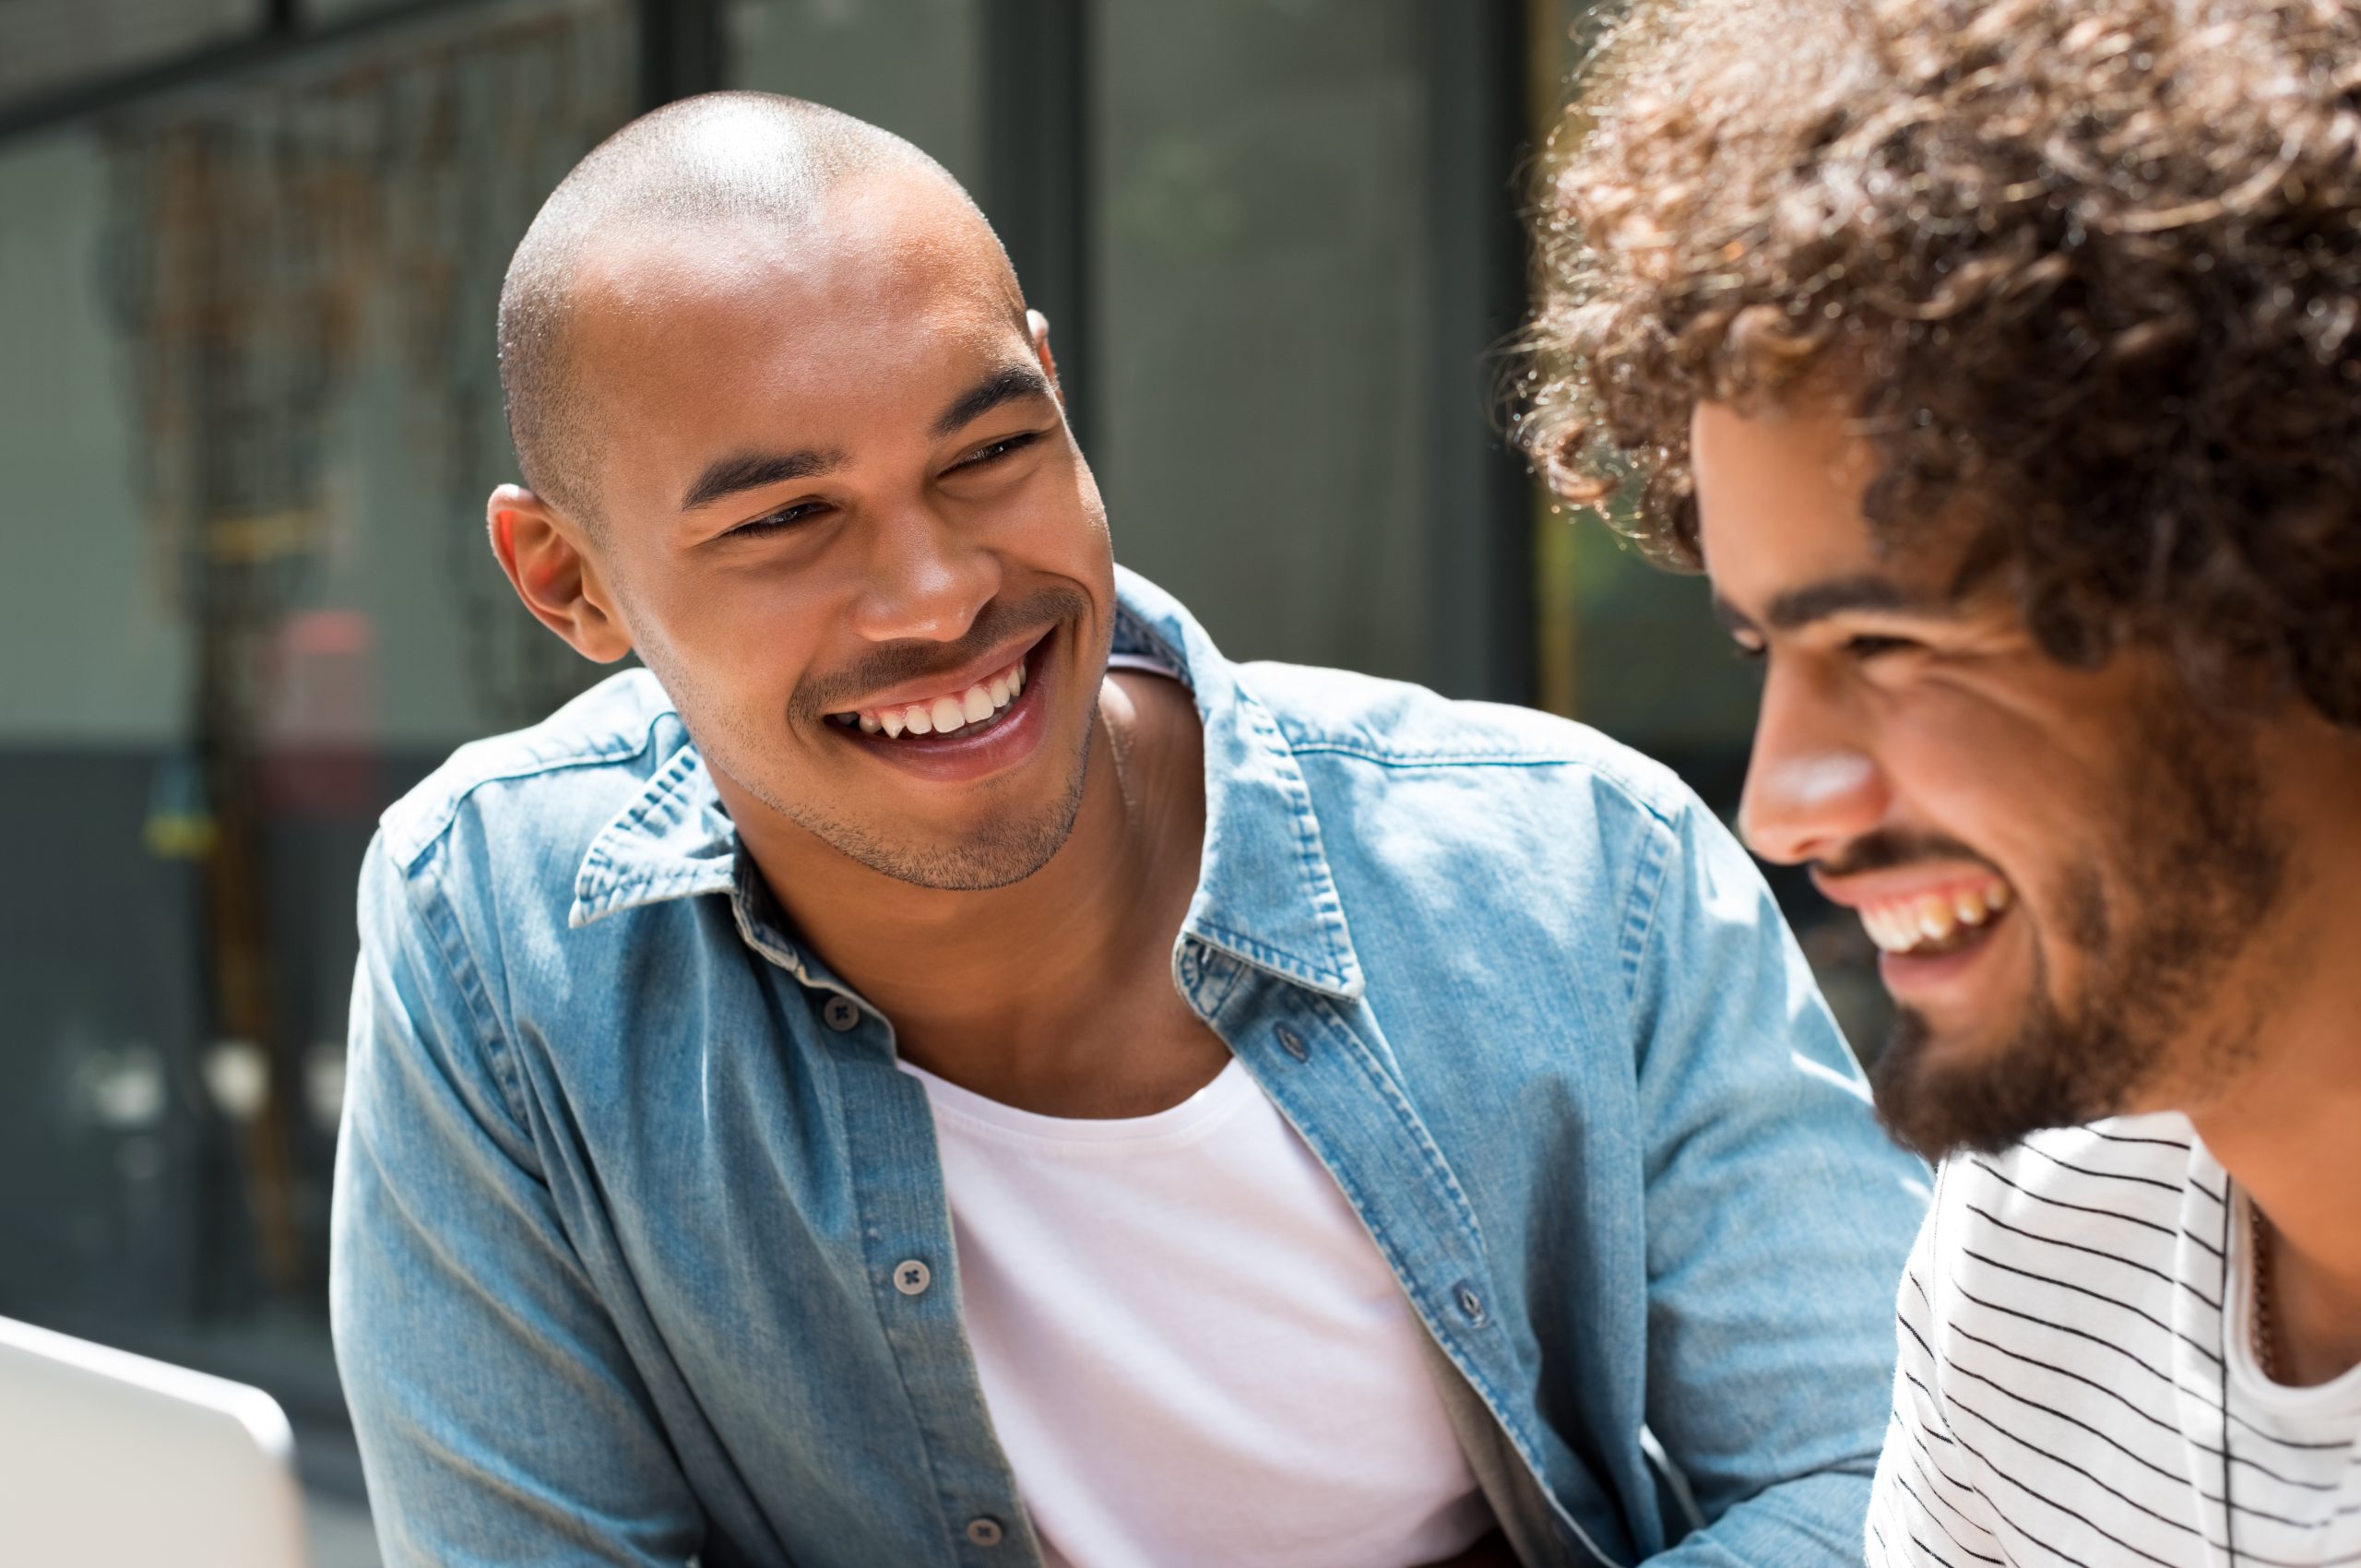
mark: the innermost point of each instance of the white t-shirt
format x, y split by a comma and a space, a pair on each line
1191, 1351
2064, 1355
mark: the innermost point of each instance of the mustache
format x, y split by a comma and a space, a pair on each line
1883, 850
1000, 621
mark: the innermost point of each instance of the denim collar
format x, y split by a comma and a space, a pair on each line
1264, 893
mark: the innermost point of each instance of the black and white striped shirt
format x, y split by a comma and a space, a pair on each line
2072, 1316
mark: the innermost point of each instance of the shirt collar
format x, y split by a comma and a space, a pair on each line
1264, 893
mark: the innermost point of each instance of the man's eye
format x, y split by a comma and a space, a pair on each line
785, 517
996, 451
1749, 653
1868, 646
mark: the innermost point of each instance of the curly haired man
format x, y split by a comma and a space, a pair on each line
2000, 362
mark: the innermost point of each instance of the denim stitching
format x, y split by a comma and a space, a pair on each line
1639, 913
446, 811
433, 903
1407, 1115
665, 797
1311, 863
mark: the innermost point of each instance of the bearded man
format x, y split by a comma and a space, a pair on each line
942, 1067
2000, 362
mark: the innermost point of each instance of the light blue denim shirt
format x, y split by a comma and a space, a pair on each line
630, 1185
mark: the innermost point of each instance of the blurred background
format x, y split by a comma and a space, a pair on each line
249, 255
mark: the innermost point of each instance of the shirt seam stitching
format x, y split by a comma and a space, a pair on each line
1456, 758
1646, 897
433, 904
446, 812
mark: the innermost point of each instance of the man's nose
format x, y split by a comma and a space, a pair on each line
1813, 783
923, 581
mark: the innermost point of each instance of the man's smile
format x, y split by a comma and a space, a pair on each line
963, 726
979, 705
1927, 923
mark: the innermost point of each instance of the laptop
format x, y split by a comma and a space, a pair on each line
110, 1460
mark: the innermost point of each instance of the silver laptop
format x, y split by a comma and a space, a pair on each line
109, 1460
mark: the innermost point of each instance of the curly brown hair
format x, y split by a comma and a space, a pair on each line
2091, 267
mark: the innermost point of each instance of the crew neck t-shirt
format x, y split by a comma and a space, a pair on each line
1190, 1350
2077, 1313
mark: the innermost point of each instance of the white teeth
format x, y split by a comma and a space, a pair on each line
944, 715
1936, 920
1932, 920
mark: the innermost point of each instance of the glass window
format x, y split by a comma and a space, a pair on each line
913, 67
1259, 193
248, 416
51, 46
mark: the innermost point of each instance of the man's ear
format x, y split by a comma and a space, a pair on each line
541, 551
1036, 327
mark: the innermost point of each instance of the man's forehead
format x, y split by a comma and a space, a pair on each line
844, 271
1779, 490
716, 326
1782, 527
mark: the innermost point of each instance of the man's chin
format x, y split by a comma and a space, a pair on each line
998, 855
1939, 1093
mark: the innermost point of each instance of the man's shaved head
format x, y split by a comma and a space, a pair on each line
723, 157
791, 437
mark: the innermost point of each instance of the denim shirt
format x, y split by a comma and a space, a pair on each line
641, 1246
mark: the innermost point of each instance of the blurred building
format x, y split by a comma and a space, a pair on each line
249, 255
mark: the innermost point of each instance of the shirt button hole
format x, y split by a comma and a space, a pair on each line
1292, 1043
1471, 1305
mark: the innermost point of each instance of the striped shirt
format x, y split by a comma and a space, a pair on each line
2072, 1316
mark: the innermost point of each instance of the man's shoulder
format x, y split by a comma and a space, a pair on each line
554, 785
1406, 729
2095, 1174
2095, 1211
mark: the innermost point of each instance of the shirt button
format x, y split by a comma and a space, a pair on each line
912, 1277
985, 1530
839, 1014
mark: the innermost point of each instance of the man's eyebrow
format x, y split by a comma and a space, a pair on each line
752, 470
1734, 619
1005, 385
1817, 602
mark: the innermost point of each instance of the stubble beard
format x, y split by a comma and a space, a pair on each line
2159, 921
998, 852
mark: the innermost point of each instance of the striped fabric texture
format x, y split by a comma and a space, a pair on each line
2077, 1384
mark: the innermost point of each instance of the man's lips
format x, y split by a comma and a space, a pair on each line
970, 695
976, 750
1922, 910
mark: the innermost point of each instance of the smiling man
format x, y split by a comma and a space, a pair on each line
2000, 361
940, 1067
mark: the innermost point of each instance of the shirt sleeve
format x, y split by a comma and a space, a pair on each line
500, 1419
1778, 1218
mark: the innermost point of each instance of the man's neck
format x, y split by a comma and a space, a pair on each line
2287, 1124
1018, 984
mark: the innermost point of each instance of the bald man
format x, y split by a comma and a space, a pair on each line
940, 1066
